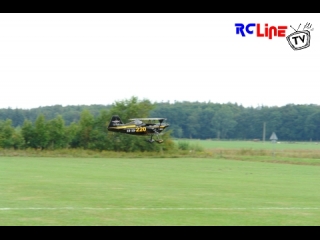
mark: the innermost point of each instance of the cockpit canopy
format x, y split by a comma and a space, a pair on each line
137, 122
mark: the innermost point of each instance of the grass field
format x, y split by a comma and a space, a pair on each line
306, 153
156, 191
267, 145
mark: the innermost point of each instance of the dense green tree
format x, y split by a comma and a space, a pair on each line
6, 134
194, 124
177, 131
131, 108
244, 128
18, 141
72, 135
41, 133
287, 129
85, 129
304, 111
205, 118
100, 132
223, 121
57, 133
313, 126
28, 134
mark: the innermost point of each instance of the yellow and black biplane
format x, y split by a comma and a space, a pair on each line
139, 126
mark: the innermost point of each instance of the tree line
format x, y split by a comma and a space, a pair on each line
85, 126
89, 132
232, 121
68, 113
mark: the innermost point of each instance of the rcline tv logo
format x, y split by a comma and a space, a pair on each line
268, 32
297, 40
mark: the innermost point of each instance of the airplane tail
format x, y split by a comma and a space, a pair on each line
115, 121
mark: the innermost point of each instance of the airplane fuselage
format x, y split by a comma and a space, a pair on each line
138, 127
138, 130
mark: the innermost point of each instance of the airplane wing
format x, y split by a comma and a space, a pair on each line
146, 119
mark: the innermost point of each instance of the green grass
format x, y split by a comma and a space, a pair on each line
267, 145
153, 191
302, 153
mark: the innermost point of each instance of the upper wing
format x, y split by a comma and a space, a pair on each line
146, 119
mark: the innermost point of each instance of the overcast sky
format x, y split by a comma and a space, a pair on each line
99, 58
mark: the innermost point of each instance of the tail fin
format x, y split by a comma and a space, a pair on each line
115, 121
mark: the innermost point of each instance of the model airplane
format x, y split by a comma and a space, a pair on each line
139, 126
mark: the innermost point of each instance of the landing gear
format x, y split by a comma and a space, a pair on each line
158, 140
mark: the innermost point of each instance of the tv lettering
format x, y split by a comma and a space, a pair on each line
300, 39
269, 32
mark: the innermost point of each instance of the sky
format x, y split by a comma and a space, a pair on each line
66, 59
